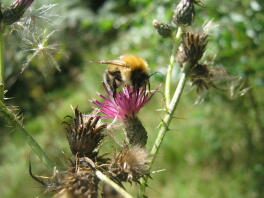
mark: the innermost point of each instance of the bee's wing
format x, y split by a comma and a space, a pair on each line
111, 62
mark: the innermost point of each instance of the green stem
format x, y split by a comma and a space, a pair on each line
165, 125
166, 121
29, 139
170, 66
2, 65
170, 105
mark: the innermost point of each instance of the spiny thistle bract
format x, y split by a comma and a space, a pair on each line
84, 135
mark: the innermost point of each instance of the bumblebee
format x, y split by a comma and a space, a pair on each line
127, 70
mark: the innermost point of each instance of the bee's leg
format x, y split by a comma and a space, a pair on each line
108, 80
114, 88
148, 83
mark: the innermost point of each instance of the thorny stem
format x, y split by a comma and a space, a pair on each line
166, 121
170, 105
170, 66
107, 180
30, 140
11, 116
1, 65
165, 124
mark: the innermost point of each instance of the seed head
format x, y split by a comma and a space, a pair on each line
83, 134
200, 77
130, 164
78, 181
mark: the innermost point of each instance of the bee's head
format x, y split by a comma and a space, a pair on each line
139, 78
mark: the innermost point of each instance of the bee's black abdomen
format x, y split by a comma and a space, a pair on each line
139, 78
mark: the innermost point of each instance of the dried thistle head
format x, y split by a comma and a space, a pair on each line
205, 76
192, 48
84, 135
77, 182
184, 12
130, 164
201, 77
83, 184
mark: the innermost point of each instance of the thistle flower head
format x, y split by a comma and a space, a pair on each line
77, 181
130, 164
127, 103
84, 135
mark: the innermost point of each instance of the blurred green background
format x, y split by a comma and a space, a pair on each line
216, 142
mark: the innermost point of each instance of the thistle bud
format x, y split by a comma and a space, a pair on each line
16, 11
184, 12
135, 132
83, 134
165, 30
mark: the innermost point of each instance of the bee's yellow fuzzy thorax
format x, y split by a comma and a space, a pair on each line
135, 62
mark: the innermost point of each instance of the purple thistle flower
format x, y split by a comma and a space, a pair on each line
125, 104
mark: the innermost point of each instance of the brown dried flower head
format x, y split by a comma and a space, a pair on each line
83, 134
79, 181
192, 48
130, 164
201, 77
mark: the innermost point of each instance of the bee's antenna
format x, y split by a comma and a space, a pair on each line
154, 73
111, 62
34, 177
